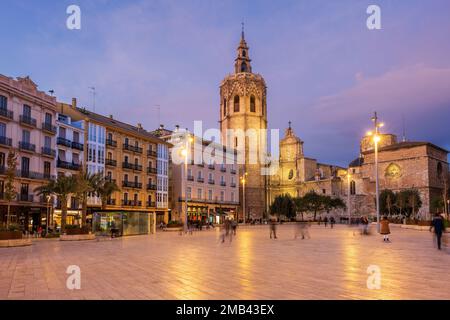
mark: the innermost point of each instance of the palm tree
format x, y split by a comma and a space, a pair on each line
105, 190
87, 183
62, 188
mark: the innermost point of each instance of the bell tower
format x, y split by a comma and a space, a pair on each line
243, 109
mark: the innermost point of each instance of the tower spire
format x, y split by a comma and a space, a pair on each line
242, 62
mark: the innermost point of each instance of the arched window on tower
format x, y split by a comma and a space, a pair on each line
244, 54
252, 104
236, 104
263, 106
224, 107
352, 187
243, 67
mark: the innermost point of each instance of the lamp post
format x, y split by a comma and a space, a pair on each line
376, 139
348, 199
243, 194
185, 152
49, 197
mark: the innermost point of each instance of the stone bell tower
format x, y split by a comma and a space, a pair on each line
243, 108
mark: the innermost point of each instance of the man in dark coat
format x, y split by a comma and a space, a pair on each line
438, 225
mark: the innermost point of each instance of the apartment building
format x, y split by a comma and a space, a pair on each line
211, 188
136, 161
27, 127
70, 158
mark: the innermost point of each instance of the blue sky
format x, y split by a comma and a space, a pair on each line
325, 71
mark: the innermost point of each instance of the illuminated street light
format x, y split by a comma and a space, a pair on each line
185, 154
348, 199
243, 180
376, 140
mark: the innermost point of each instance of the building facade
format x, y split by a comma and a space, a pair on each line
243, 124
210, 187
27, 128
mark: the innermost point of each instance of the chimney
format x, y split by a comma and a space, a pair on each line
74, 103
177, 127
111, 116
139, 125
161, 127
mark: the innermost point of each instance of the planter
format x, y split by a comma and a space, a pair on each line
76, 237
10, 235
173, 228
15, 243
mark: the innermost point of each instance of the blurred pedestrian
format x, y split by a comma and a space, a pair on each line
365, 225
320, 220
234, 226
273, 227
332, 222
384, 229
325, 221
302, 229
438, 225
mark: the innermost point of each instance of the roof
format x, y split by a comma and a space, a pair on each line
111, 122
356, 163
408, 144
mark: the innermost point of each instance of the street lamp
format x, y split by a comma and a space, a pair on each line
243, 180
348, 199
376, 140
49, 197
185, 154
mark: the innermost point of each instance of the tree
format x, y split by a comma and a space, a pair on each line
387, 200
86, 183
10, 190
334, 203
105, 189
314, 202
408, 202
283, 205
62, 188
300, 205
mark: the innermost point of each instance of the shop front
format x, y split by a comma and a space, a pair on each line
127, 222
198, 213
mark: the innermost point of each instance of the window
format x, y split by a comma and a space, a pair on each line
2, 129
439, 170
76, 137
224, 107
26, 136
222, 195
232, 196
126, 141
210, 195
126, 159
136, 162
24, 189
352, 187
136, 199
110, 136
189, 172
199, 193
3, 102
236, 104
244, 54
62, 132
27, 111
200, 174
210, 176
2, 159
188, 192
136, 179
125, 196
48, 118
46, 170
2, 188
252, 104
243, 67
125, 177
47, 142
110, 155
76, 158
25, 166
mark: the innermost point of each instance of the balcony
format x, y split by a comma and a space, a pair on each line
111, 202
109, 179
201, 164
201, 180
223, 169
190, 178
151, 204
111, 143
151, 186
77, 145
131, 148
131, 203
111, 162
34, 175
48, 152
64, 142
233, 185
5, 141
223, 183
68, 165
48, 127
25, 197
132, 184
27, 120
6, 114
152, 153
233, 171
26, 146
211, 166
152, 170
211, 181
131, 166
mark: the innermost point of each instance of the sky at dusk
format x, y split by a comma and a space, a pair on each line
325, 71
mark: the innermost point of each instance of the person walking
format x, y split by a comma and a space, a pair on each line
273, 227
384, 229
234, 226
438, 225
332, 222
320, 220
325, 221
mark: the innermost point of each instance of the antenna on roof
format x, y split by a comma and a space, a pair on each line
404, 128
51, 92
94, 93
158, 107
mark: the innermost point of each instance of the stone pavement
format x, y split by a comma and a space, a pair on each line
331, 265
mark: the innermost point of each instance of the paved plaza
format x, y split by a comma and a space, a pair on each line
331, 265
